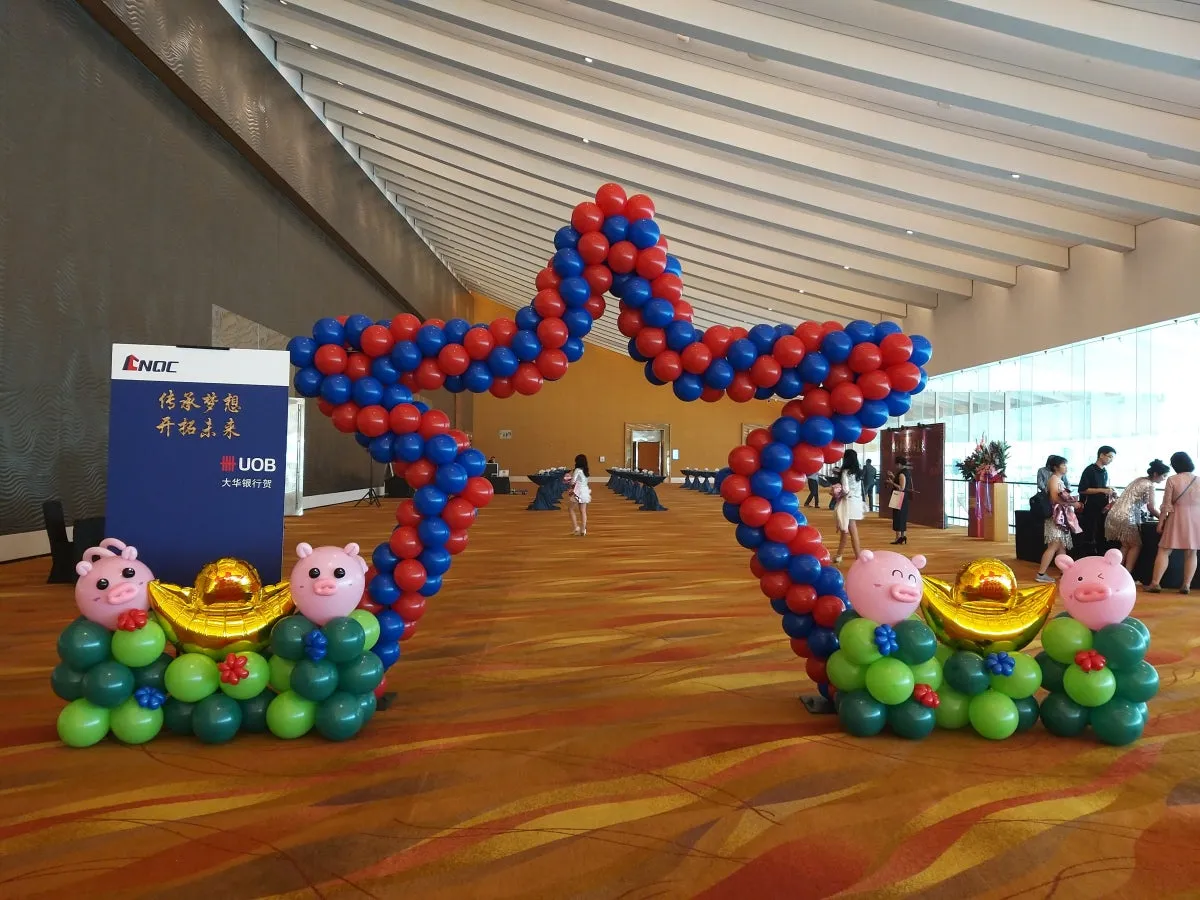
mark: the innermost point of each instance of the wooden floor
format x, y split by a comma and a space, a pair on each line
609, 717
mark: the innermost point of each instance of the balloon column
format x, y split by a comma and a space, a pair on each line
843, 383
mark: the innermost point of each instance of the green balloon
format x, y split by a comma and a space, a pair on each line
83, 643
861, 714
139, 648
108, 684
843, 674
254, 712
858, 642
367, 704
1063, 637
153, 675
256, 680
911, 720
1052, 672
994, 715
287, 637
370, 627
943, 653
66, 682
966, 673
928, 672
1089, 688
1118, 722
281, 673
889, 681
1122, 645
82, 723
345, 640
847, 615
1027, 710
953, 710
1138, 684
177, 716
339, 718
216, 719
1024, 681
1140, 626
191, 677
134, 724
916, 640
362, 675
290, 716
315, 680
1062, 716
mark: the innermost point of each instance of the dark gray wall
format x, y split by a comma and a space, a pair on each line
125, 217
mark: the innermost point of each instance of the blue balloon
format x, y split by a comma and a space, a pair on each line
766, 483
574, 291
566, 238
301, 350
764, 393
329, 331
391, 625
433, 532
451, 478
578, 321
787, 502
790, 384
394, 395
380, 448
823, 690
388, 652
421, 406
615, 228
829, 581
773, 556
383, 589
336, 389
308, 382
846, 429
441, 449
386, 323
883, 329
527, 318
680, 334
430, 340
817, 431
823, 643
658, 313
719, 374
634, 353
456, 330
674, 266
383, 559
749, 537
922, 350
408, 447
526, 345
763, 338
454, 384
688, 387
797, 626
780, 606
567, 263
874, 414
804, 568
643, 233
430, 501
784, 330
837, 346
619, 280
478, 377
722, 473
367, 392
776, 456
636, 292
384, 371
814, 368
502, 362
786, 431
355, 326
650, 376
433, 584
436, 560
741, 354
472, 461
361, 439
860, 331
898, 403
922, 383
732, 513
573, 349
406, 356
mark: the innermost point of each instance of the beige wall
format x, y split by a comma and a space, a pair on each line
586, 412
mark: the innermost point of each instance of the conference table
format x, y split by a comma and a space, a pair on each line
638, 486
550, 488
702, 480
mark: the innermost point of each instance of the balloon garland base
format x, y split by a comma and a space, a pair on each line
818, 705
126, 683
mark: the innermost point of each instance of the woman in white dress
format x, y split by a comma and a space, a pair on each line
579, 495
849, 509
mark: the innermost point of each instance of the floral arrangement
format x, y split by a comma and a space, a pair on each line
987, 462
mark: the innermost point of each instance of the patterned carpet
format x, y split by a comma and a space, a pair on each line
612, 717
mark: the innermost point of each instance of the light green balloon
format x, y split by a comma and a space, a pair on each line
845, 675
139, 648
281, 673
889, 681
191, 677
256, 681
1063, 637
82, 723
943, 653
1089, 688
953, 710
858, 642
1024, 681
133, 724
291, 716
928, 672
994, 715
370, 626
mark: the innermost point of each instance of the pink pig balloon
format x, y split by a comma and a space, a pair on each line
1096, 590
885, 587
328, 582
111, 581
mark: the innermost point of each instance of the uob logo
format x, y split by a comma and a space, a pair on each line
255, 464
133, 364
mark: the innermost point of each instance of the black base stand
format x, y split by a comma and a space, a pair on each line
818, 705
385, 701
371, 497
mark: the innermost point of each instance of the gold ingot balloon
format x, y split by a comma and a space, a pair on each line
984, 610
227, 610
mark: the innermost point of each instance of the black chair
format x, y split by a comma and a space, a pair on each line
62, 553
88, 533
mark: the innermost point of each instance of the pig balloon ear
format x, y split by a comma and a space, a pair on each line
304, 550
1113, 557
352, 549
362, 562
867, 555
82, 568
1063, 562
129, 553
919, 561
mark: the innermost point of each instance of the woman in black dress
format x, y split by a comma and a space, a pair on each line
901, 482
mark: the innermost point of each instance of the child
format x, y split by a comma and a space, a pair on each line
579, 495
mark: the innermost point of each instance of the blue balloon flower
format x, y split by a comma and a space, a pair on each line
430, 340
885, 640
643, 233
566, 238
527, 318
355, 326
315, 645
302, 350
574, 290
149, 697
329, 331
615, 228
383, 559
308, 382
406, 356
1000, 663
688, 387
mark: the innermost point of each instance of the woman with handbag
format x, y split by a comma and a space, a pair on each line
848, 511
1062, 526
1123, 523
901, 484
1180, 523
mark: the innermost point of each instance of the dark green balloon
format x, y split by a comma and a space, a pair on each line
216, 718
287, 637
1062, 716
1122, 645
911, 720
177, 716
1052, 672
1027, 713
83, 643
917, 641
966, 673
367, 704
846, 616
362, 675
153, 675
67, 682
108, 684
315, 680
340, 717
345, 640
861, 714
1139, 683
1118, 722
254, 712
1140, 626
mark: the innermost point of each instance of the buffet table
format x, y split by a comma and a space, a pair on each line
637, 486
550, 488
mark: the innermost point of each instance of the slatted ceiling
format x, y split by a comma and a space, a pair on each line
786, 180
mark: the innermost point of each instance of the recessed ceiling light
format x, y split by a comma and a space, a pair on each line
359, 111
588, 60
314, 46
586, 141
845, 267
908, 231
284, 2
341, 84
802, 290
1014, 175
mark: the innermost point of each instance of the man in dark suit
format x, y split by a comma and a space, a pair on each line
870, 477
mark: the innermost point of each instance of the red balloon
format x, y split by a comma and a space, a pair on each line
548, 304
405, 542
593, 247
833, 451
358, 365
410, 575
757, 567
826, 610
816, 670
711, 395
830, 325
547, 279
434, 422
479, 343
794, 409
461, 439
895, 349
367, 603
404, 327
846, 398
793, 481
410, 631
552, 333
683, 310
781, 527
816, 402
459, 514
599, 278
839, 373
666, 366
503, 330
438, 323
875, 385
325, 407
399, 467
652, 262
807, 459
789, 351
741, 389
801, 598
587, 217
595, 306
456, 543
406, 513
381, 688
810, 335
453, 359
404, 418
775, 584
717, 339
667, 287
735, 488
420, 473
755, 511
501, 387
373, 421
865, 357
478, 492
650, 342
765, 372
330, 359
758, 438
744, 460
639, 206
430, 377
611, 199
629, 322
662, 242
345, 418
800, 647
696, 358
410, 606
527, 379
376, 341
622, 257
868, 435
342, 319
552, 364
904, 376
737, 332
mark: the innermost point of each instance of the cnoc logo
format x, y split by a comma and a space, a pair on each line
133, 364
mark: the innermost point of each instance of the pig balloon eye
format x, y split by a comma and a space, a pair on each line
128, 573
1081, 578
897, 573
314, 573
912, 578
102, 584
339, 573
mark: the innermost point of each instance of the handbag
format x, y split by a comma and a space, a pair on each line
1040, 505
896, 501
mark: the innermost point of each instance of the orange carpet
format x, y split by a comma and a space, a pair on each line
611, 717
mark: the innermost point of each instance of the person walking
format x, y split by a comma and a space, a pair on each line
901, 483
579, 495
1096, 495
848, 497
870, 478
814, 492
1179, 524
1063, 524
1123, 524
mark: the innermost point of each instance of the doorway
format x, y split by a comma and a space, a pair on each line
648, 456
648, 447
